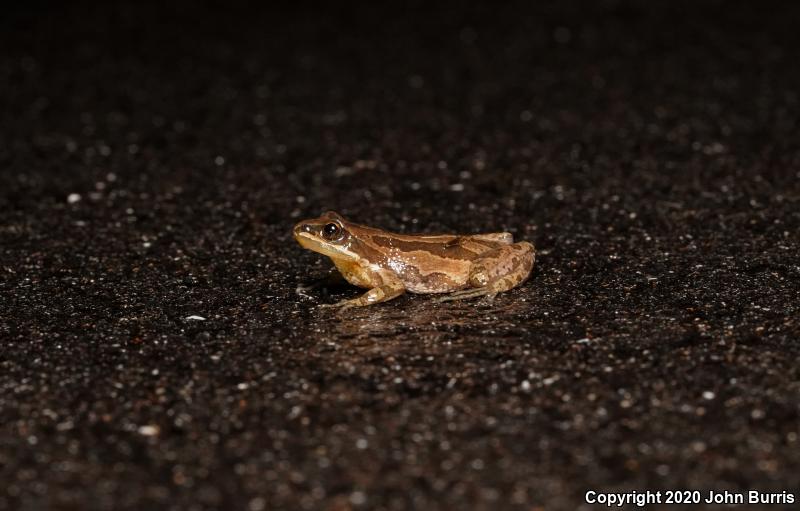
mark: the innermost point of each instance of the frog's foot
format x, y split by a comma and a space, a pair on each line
341, 306
466, 294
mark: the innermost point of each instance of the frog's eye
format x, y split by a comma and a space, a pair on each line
331, 232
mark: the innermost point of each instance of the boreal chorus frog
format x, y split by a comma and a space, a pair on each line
389, 264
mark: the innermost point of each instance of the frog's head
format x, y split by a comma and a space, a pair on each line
328, 235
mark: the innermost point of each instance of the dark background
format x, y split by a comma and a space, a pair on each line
154, 158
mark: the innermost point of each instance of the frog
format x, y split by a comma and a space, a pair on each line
390, 264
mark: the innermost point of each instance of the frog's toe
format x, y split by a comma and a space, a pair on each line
342, 305
466, 294
338, 305
489, 298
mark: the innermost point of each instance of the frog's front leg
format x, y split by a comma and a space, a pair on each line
390, 287
496, 271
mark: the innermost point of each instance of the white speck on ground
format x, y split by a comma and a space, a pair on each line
149, 430
358, 498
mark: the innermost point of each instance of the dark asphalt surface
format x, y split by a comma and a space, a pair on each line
154, 159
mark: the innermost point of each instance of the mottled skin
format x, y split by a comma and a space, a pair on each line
390, 264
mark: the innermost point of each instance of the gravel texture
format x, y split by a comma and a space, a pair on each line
156, 353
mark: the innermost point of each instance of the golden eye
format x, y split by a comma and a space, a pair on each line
331, 231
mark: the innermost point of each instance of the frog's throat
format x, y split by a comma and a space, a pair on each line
312, 243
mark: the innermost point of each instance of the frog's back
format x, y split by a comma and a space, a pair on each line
504, 238
451, 246
435, 263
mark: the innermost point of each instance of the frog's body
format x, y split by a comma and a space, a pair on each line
389, 264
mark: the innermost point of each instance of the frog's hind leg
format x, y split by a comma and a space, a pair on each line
496, 271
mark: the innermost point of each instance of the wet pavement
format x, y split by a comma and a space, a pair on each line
157, 349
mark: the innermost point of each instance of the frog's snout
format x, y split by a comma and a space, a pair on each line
305, 235
301, 227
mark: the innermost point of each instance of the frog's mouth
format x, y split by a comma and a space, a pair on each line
311, 242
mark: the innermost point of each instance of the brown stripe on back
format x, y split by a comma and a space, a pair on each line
447, 250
